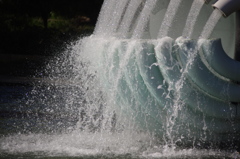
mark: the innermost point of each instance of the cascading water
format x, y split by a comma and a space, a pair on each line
127, 21
144, 17
192, 18
120, 93
168, 20
210, 25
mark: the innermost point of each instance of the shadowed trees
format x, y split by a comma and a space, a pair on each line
42, 26
43, 8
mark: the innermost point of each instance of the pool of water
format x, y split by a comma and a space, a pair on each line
32, 127
82, 146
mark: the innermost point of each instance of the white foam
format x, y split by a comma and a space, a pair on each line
100, 144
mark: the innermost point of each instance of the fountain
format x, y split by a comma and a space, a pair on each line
139, 85
161, 79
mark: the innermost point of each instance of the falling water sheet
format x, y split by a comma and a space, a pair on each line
76, 142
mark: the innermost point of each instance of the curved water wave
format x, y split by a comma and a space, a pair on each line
140, 89
167, 87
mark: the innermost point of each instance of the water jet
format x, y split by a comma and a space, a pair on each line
152, 80
162, 78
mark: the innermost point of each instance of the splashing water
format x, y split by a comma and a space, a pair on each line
117, 98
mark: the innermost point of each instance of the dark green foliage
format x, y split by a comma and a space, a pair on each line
43, 27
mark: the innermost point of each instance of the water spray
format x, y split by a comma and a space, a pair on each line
138, 97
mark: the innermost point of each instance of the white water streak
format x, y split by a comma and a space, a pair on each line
119, 10
143, 20
168, 18
124, 61
211, 23
104, 16
128, 17
192, 18
179, 85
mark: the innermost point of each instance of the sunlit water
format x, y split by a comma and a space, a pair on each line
76, 118
82, 108
192, 18
211, 23
77, 144
168, 19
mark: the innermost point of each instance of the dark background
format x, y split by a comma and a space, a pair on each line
31, 30
34, 26
35, 45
